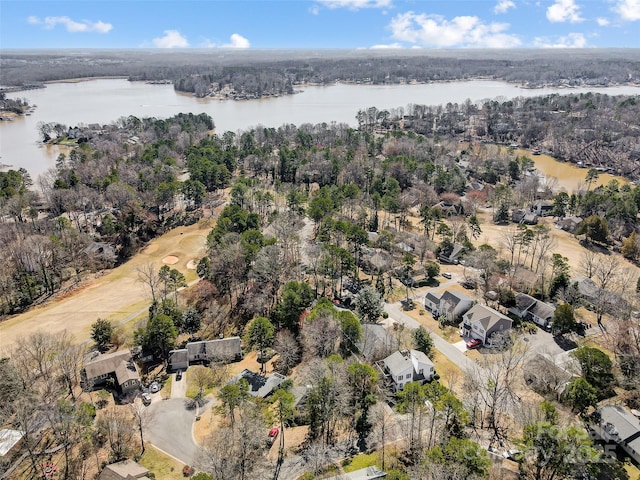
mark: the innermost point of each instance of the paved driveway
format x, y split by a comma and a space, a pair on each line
179, 387
448, 350
171, 429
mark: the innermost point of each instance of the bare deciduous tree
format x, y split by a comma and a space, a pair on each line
491, 388
148, 275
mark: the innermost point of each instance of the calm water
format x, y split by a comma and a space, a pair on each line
104, 101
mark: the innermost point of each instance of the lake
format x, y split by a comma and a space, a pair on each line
105, 100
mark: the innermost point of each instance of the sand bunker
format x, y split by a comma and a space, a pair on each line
192, 265
170, 260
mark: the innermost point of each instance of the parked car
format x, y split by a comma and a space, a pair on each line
154, 387
178, 375
146, 398
473, 343
273, 433
446, 275
468, 284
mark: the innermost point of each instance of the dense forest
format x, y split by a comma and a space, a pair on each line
204, 72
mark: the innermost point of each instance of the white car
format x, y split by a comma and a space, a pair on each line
146, 398
154, 387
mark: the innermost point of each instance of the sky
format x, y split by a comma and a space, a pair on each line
330, 24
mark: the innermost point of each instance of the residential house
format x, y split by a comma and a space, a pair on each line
404, 247
450, 304
547, 374
447, 208
569, 224
219, 350
125, 470
524, 280
529, 308
542, 208
451, 254
118, 366
8, 440
618, 425
407, 366
483, 323
522, 216
259, 385
376, 342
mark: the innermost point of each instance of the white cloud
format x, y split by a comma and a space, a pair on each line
564, 11
388, 46
72, 26
237, 41
356, 4
628, 10
572, 40
464, 31
171, 39
503, 6
314, 10
603, 22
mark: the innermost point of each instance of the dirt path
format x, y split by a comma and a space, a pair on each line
114, 296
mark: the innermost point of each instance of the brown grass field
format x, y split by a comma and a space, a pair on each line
115, 296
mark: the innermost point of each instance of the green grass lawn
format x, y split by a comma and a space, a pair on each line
360, 461
163, 466
192, 386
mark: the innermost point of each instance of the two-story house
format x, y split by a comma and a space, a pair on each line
219, 350
448, 303
407, 366
118, 365
529, 308
619, 425
483, 322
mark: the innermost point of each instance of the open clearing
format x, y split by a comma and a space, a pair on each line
115, 295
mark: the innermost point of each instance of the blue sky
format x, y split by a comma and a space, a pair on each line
267, 24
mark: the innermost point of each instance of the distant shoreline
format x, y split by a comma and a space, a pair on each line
13, 89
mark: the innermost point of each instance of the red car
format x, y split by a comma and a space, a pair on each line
473, 343
273, 433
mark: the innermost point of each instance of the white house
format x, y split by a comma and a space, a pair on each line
448, 303
618, 425
483, 322
407, 366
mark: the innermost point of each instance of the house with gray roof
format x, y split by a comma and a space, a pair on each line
570, 224
620, 426
259, 385
407, 366
452, 253
529, 308
124, 470
376, 342
117, 365
484, 322
219, 350
542, 207
449, 303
